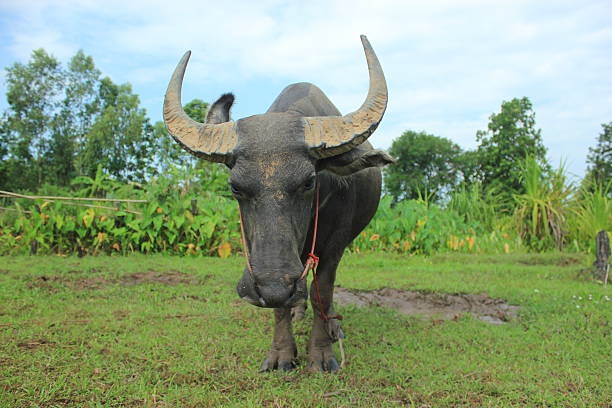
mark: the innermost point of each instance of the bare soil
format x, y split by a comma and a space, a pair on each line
55, 282
430, 305
33, 344
165, 278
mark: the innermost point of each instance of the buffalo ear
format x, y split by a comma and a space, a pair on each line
355, 160
219, 112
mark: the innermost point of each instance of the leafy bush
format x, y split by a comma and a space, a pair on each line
592, 212
477, 206
167, 222
414, 227
541, 212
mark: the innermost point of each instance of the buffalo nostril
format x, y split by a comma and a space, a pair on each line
274, 295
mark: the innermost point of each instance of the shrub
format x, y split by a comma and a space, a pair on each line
167, 224
592, 212
541, 212
414, 227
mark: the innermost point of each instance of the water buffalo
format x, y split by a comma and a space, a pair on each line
281, 163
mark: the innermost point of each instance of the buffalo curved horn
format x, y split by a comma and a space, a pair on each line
211, 142
329, 136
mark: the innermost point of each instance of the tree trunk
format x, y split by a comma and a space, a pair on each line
194, 206
602, 252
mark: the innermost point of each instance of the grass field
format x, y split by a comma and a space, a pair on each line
159, 331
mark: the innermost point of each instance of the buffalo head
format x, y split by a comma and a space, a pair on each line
274, 159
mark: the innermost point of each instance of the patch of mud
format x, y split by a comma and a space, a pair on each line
430, 305
165, 278
187, 297
48, 283
55, 283
96, 282
34, 344
563, 261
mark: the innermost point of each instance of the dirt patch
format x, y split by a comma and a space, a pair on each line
165, 278
187, 297
34, 344
430, 305
48, 283
569, 261
55, 283
542, 260
96, 282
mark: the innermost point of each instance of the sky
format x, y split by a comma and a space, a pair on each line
449, 64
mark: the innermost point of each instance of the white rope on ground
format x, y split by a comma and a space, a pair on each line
12, 209
117, 200
342, 355
8, 194
102, 207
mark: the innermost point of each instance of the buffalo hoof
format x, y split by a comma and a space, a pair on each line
323, 361
275, 362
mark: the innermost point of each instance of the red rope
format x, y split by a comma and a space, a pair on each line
244, 245
313, 260
311, 263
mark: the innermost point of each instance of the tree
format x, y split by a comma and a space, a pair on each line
510, 138
600, 158
121, 139
66, 122
425, 164
76, 114
468, 167
31, 94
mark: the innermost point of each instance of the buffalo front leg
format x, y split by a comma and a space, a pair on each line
283, 353
324, 331
298, 311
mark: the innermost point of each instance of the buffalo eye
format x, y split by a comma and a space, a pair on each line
310, 183
236, 191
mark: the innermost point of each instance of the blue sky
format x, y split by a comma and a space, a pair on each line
449, 64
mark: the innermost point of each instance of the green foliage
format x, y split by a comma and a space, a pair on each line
121, 138
548, 216
96, 186
167, 223
541, 212
63, 122
468, 167
483, 208
414, 227
32, 90
197, 110
424, 162
74, 117
592, 212
600, 159
510, 138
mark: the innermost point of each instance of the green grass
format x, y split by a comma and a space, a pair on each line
87, 332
